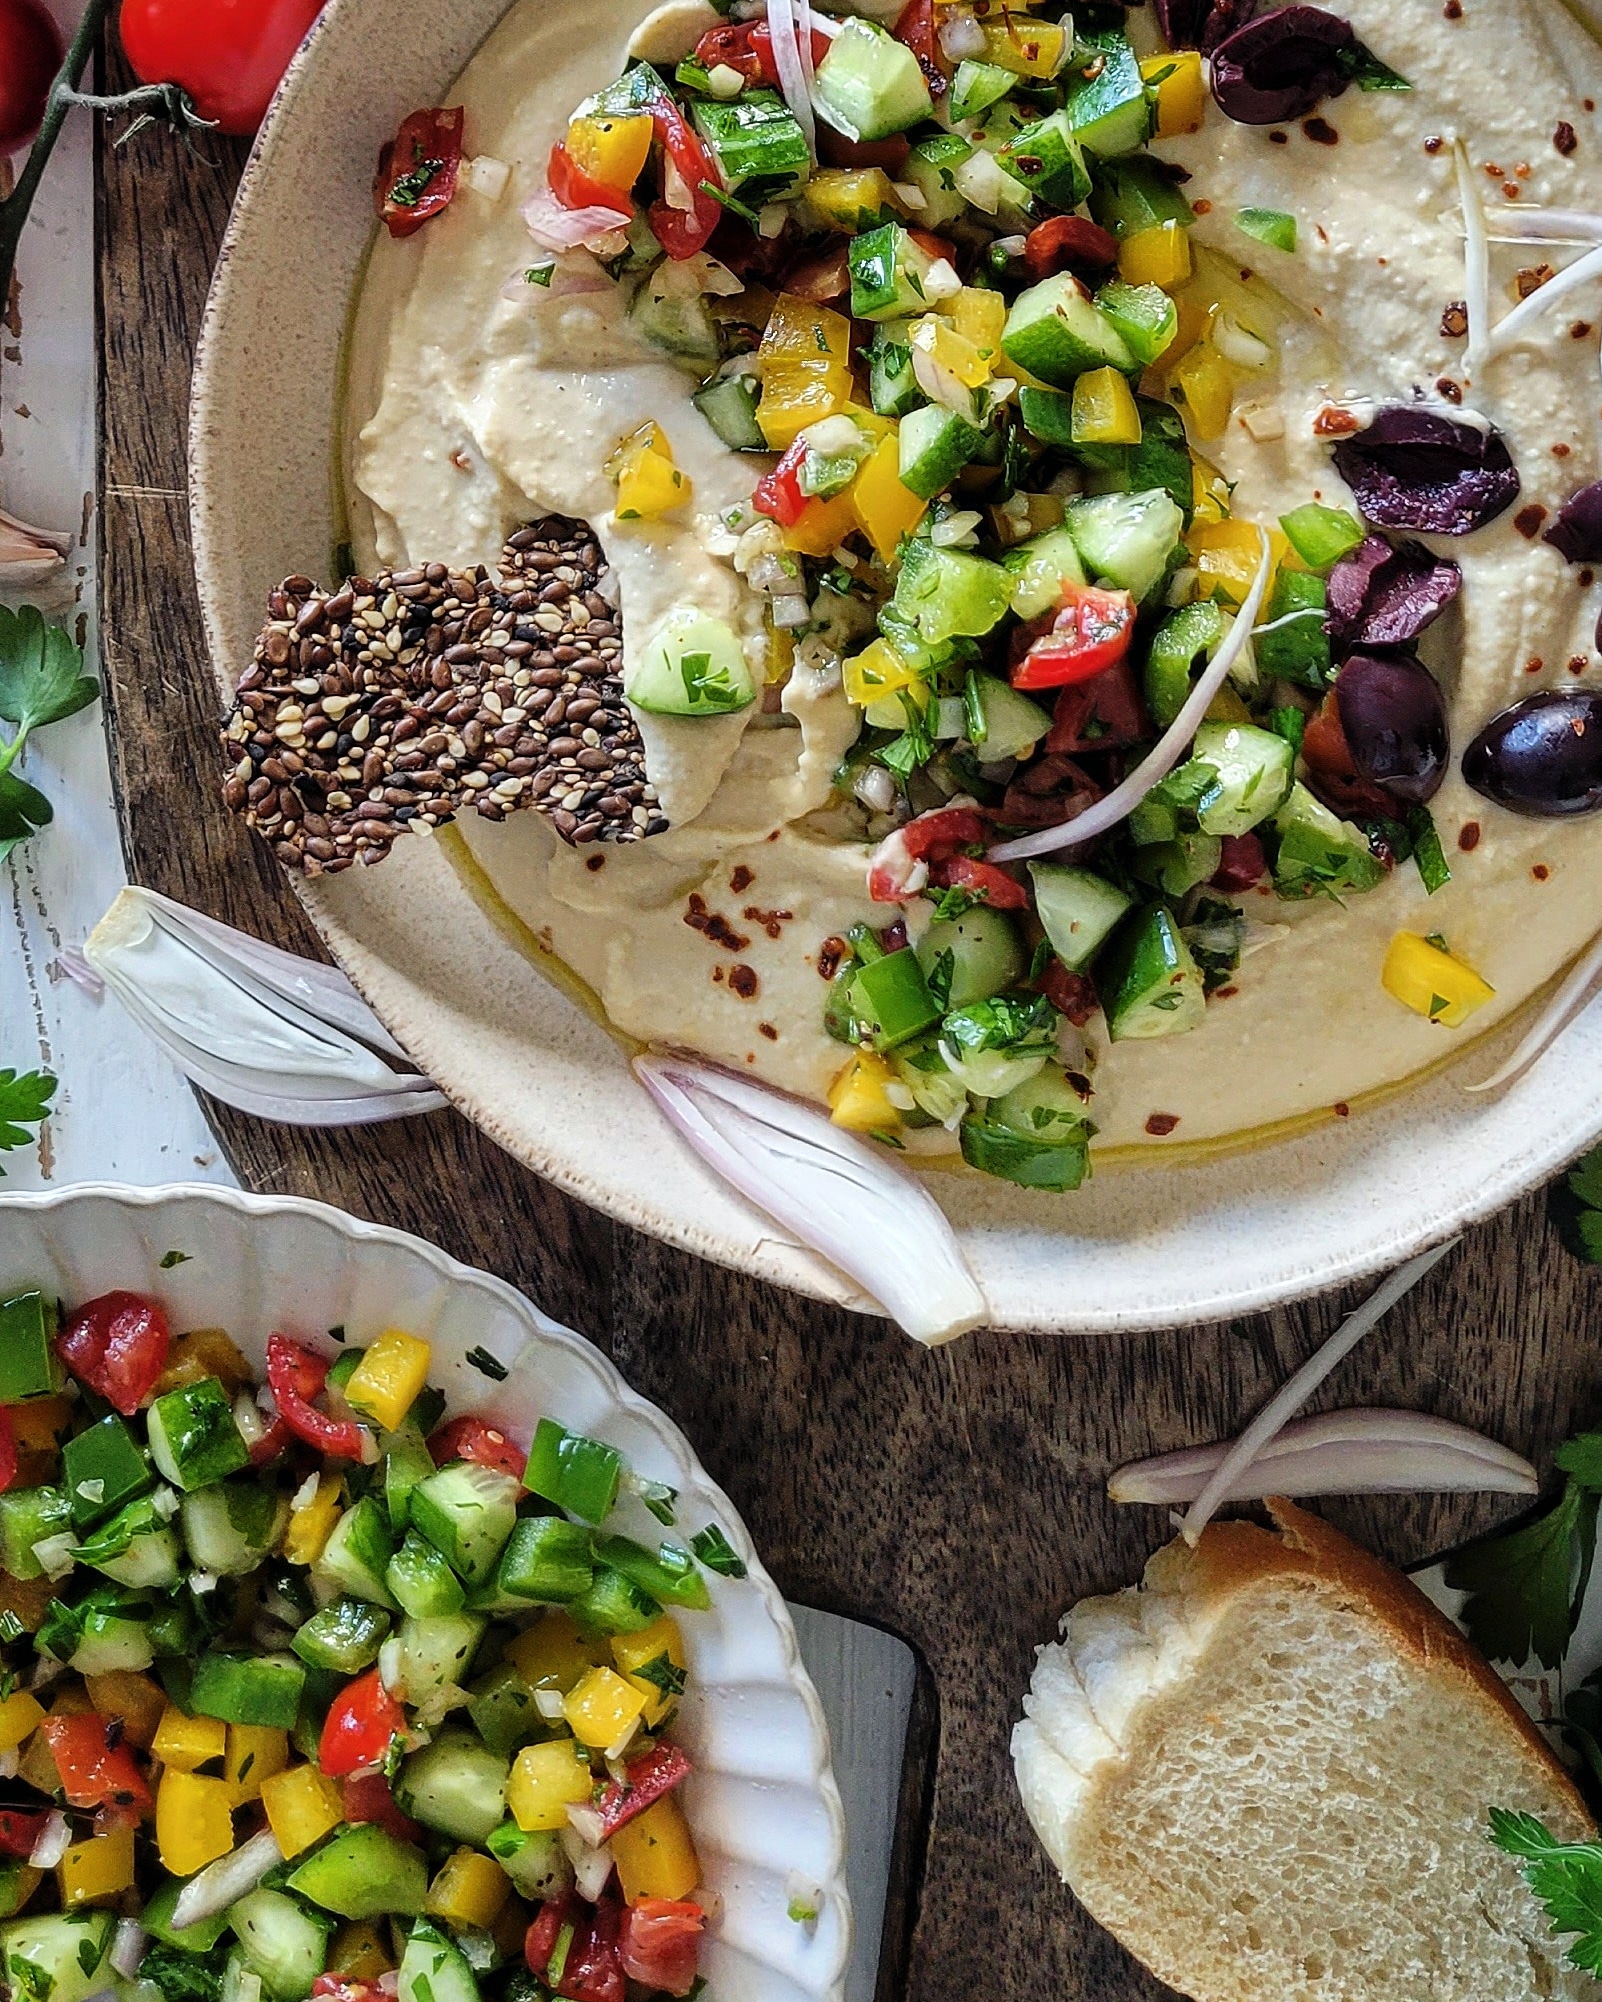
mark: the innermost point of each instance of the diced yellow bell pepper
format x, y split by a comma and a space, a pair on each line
201, 1353
655, 1855
185, 1744
194, 1821
1205, 380
822, 526
1104, 411
1432, 982
256, 1752
1156, 256
1227, 555
97, 1872
358, 1952
1209, 493
859, 1098
611, 147
311, 1525
980, 316
386, 1382
302, 1805
633, 1652
798, 330
781, 650
648, 482
546, 1781
41, 1424
949, 350
1181, 91
1227, 707
805, 364
603, 1709
20, 1714
850, 198
138, 1700
886, 510
1027, 48
553, 1654
877, 671
470, 1890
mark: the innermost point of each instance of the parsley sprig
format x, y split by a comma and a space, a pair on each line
41, 682
24, 1102
1565, 1876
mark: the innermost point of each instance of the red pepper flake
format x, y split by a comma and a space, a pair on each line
830, 954
713, 925
1565, 138
1341, 1109
1576, 663
1161, 1124
1452, 391
1335, 423
1434, 143
1225, 993
1589, 103
767, 1029
772, 922
744, 981
741, 878
1493, 170
594, 863
461, 461
1202, 208
1528, 520
1468, 836
1579, 330
1531, 279
1534, 664
1511, 190
1279, 138
1561, 451
775, 834
1523, 170
717, 976
1540, 872
1321, 132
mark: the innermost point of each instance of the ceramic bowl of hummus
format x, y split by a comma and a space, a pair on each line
414, 399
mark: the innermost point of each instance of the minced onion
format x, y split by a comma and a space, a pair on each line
875, 787
128, 1947
982, 180
961, 36
54, 1554
486, 176
1161, 760
55, 1839
592, 1865
1239, 344
226, 1881
1576, 991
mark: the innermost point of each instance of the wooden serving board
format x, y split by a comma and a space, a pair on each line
955, 1498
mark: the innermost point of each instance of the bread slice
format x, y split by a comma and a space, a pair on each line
1267, 1770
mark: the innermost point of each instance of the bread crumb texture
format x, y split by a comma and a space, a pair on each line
1267, 1770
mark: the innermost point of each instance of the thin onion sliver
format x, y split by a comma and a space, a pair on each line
1554, 1018
1523, 318
792, 73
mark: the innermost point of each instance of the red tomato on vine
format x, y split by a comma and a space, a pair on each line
30, 54
227, 54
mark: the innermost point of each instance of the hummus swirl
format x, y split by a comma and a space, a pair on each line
469, 411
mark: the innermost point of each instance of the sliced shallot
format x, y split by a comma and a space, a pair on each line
29, 556
1358, 1452
554, 227
839, 1195
128, 1947
1292, 1395
1577, 990
793, 68
1159, 762
226, 1881
1476, 257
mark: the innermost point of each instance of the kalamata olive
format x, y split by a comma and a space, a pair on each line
1385, 596
1332, 771
1047, 792
1414, 468
1394, 719
1282, 65
1577, 532
1201, 24
1542, 756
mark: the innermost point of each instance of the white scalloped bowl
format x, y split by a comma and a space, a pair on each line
762, 1801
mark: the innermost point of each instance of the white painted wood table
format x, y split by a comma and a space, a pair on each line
122, 1113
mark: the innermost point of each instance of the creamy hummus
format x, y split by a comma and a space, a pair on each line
470, 411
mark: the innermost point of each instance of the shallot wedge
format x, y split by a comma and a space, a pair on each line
1569, 1000
1358, 1452
1161, 760
839, 1195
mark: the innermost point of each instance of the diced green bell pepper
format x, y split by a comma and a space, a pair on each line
29, 1365
547, 1561
1136, 194
1321, 535
1106, 102
344, 1637
102, 1468
670, 1573
260, 1689
1181, 646
575, 1474
1299, 651
1144, 314
29, 1516
891, 998
614, 1605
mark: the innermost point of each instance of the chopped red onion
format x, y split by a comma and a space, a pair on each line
55, 1839
226, 1881
554, 227
128, 1947
793, 67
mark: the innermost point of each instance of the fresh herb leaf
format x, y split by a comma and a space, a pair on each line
1427, 852
1289, 723
409, 190
171, 1258
1525, 1585
1565, 1876
1576, 1208
1361, 66
1271, 226
732, 203
488, 1365
664, 1674
717, 1553
954, 902
23, 808
24, 1102
41, 671
661, 1500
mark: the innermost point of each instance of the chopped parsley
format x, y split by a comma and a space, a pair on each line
488, 1365
410, 189
717, 1553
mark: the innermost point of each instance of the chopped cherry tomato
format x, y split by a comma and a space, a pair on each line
295, 1376
894, 873
1242, 864
682, 231
749, 49
916, 27
1092, 633
117, 1345
539, 1942
937, 247
94, 1772
361, 1721
484, 1444
594, 1973
822, 278
1105, 713
1331, 770
20, 1829
575, 189
1068, 243
228, 54
337, 1988
273, 1441
934, 837
1071, 994
983, 881
367, 1797
418, 170
778, 494
642, 1786
661, 1943
9, 1460
836, 150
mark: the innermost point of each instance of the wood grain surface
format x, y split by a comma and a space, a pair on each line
954, 1497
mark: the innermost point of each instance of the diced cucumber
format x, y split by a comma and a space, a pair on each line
467, 1512
935, 1086
136, 1547
869, 85
1176, 867
1254, 770
29, 1364
362, 1873
1039, 569
344, 1636
232, 1525
994, 1045
434, 1969
676, 319
1047, 158
504, 1712
407, 1461
356, 1556
1078, 909
892, 383
754, 138
1150, 983
156, 1919
429, 1655
1300, 651
547, 1561
936, 444
1047, 414
946, 593
104, 1634
422, 1582
536, 1862
193, 1438
248, 1688
729, 405
61, 1958
1001, 723
240, 1981
281, 1941
102, 1468
889, 274
976, 87
1161, 459
1320, 854
1056, 332
1109, 110
457, 1785
614, 1605
1138, 194
1126, 539
1036, 1135
29, 1516
1145, 316
972, 957
929, 169
692, 665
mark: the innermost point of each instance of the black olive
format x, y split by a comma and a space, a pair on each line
1394, 717
1282, 65
1542, 756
